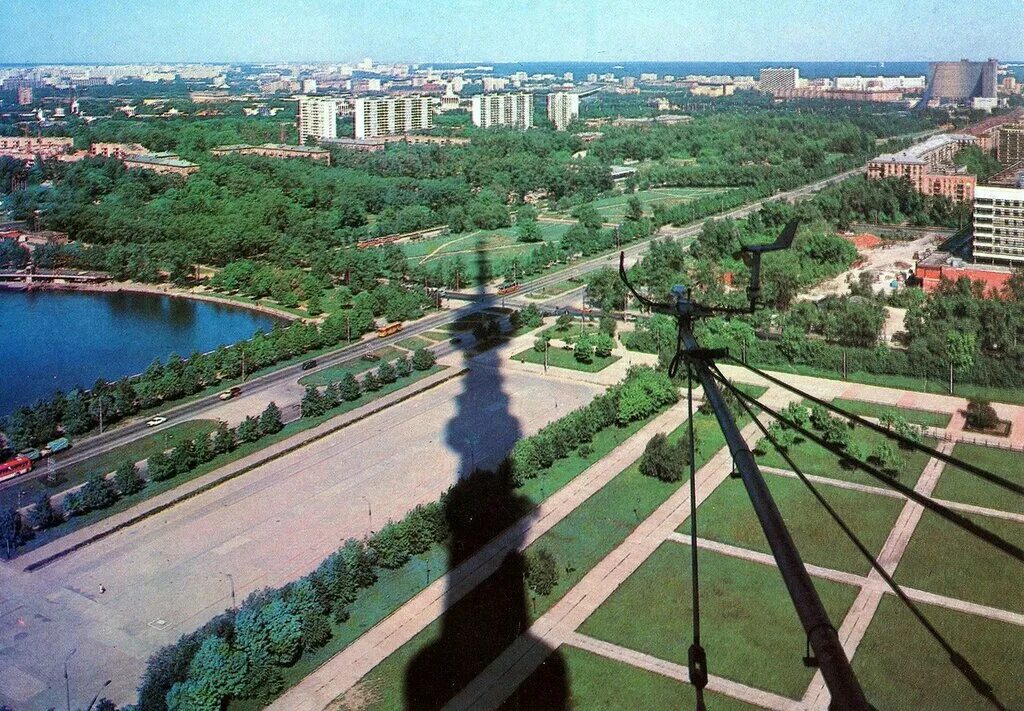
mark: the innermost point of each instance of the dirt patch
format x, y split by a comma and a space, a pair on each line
360, 696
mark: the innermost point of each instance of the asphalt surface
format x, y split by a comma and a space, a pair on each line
205, 407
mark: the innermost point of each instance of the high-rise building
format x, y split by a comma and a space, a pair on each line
775, 79
999, 225
494, 84
929, 167
317, 117
563, 109
514, 110
24, 95
393, 115
962, 81
1010, 145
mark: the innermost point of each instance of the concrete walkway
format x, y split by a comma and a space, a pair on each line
342, 671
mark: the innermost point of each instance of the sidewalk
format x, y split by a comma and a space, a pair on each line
345, 669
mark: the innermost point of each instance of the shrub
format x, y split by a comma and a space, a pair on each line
350, 389
270, 420
249, 428
224, 439
541, 571
386, 373
43, 515
665, 461
127, 479
980, 415
159, 467
423, 359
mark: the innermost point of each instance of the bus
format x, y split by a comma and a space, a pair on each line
389, 330
15, 467
508, 288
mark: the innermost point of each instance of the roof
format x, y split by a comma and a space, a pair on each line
917, 154
167, 159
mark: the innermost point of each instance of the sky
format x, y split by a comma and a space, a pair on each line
111, 31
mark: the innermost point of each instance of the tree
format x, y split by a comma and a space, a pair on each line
528, 231
224, 439
370, 382
423, 359
888, 457
541, 571
664, 461
270, 420
980, 415
634, 209
583, 351
159, 466
127, 478
603, 345
961, 347
10, 531
349, 389
98, 493
249, 428
43, 515
386, 373
313, 404
541, 343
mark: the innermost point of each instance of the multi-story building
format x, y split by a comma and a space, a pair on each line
116, 150
648, 77
563, 109
24, 95
515, 110
929, 167
775, 79
317, 117
999, 225
389, 116
492, 84
960, 82
276, 150
166, 163
1010, 144
27, 148
859, 83
987, 131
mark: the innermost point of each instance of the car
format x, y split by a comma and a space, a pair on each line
371, 357
309, 364
158, 420
32, 454
228, 394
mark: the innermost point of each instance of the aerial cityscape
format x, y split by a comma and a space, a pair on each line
476, 356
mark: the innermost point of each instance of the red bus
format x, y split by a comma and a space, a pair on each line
508, 288
15, 467
390, 329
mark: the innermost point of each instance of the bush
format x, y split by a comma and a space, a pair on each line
270, 420
159, 467
980, 415
423, 359
224, 439
43, 515
350, 389
386, 373
541, 571
249, 428
98, 493
665, 461
370, 382
583, 351
128, 480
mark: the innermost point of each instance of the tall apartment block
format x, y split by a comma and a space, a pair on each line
317, 117
999, 225
514, 110
775, 79
1010, 146
393, 115
563, 108
929, 167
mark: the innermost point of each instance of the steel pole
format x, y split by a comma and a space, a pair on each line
846, 692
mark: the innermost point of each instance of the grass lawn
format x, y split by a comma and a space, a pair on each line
104, 463
1014, 396
561, 358
957, 485
436, 335
336, 372
413, 342
749, 627
926, 418
943, 558
154, 488
559, 288
901, 666
613, 209
570, 333
597, 683
814, 459
728, 517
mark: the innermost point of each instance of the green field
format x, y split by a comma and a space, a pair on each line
561, 358
469, 244
336, 372
901, 666
554, 290
942, 558
926, 418
106, 462
958, 485
414, 342
748, 625
813, 459
596, 683
571, 333
726, 516
613, 209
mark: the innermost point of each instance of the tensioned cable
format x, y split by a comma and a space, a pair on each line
697, 657
958, 660
963, 522
948, 458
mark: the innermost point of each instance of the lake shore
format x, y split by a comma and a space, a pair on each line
131, 287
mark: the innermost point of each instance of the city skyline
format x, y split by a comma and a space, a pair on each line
75, 31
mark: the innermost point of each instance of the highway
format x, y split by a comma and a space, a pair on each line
133, 430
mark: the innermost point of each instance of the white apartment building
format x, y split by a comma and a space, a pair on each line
859, 83
775, 79
515, 110
648, 77
317, 117
563, 108
494, 84
392, 115
999, 225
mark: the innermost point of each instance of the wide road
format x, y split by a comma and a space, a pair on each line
169, 574
207, 407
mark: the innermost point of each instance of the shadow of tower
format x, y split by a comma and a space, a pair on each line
478, 627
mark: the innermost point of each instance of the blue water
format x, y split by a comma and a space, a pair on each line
60, 340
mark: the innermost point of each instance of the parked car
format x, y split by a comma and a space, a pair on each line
309, 364
31, 453
228, 394
158, 420
371, 356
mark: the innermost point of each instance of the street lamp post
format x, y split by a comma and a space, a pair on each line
67, 680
